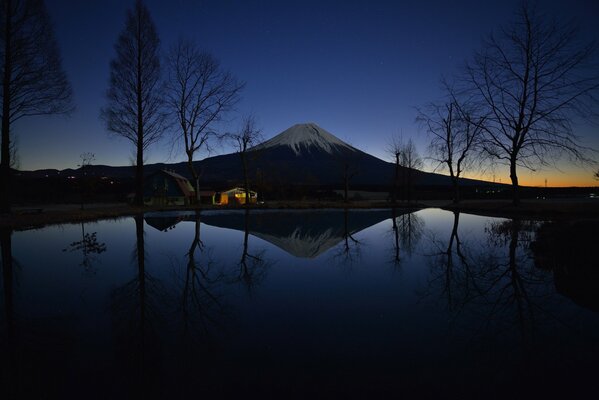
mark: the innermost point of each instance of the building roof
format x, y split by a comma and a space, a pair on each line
182, 182
238, 190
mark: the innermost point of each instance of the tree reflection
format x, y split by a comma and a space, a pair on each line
492, 282
136, 308
200, 306
451, 274
407, 229
10, 369
90, 248
349, 250
252, 266
510, 283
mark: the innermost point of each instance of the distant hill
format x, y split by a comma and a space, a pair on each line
304, 154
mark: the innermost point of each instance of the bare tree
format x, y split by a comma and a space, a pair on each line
454, 134
199, 93
597, 175
84, 180
394, 149
248, 136
533, 79
407, 160
33, 81
135, 98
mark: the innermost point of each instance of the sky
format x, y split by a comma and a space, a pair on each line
358, 69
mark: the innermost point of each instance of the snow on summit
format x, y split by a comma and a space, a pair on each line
306, 136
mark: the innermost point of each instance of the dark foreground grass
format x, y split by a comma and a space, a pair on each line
545, 209
39, 216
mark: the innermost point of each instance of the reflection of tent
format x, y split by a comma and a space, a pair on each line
166, 188
235, 196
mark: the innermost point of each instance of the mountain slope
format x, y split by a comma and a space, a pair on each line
307, 154
304, 154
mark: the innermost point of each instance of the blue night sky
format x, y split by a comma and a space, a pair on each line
356, 68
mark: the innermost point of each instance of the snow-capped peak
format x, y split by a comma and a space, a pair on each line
305, 135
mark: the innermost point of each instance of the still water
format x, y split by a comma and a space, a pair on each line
297, 303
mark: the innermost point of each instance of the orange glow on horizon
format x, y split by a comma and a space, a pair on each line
571, 178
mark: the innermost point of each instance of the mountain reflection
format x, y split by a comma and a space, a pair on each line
305, 234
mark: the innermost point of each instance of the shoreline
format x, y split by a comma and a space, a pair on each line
24, 218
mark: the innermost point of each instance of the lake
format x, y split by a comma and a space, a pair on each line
333, 303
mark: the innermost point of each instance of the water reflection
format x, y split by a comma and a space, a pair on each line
181, 322
407, 228
10, 368
451, 275
136, 318
568, 249
90, 248
199, 304
306, 234
252, 266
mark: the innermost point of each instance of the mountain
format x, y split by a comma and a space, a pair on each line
304, 154
303, 138
308, 154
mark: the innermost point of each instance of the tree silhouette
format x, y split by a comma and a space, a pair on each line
248, 136
33, 81
135, 99
532, 80
407, 160
84, 180
455, 134
199, 93
395, 149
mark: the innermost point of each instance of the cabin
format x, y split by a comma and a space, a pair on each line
164, 188
235, 196
207, 196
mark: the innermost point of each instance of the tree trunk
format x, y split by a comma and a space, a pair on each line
346, 184
195, 176
139, 174
5, 174
514, 178
456, 190
139, 168
396, 181
246, 185
141, 276
395, 234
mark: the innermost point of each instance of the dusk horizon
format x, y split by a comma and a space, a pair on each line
358, 70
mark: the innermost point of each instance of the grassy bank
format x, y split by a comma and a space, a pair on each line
42, 215
545, 209
39, 216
